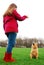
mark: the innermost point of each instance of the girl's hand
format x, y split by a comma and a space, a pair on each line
25, 16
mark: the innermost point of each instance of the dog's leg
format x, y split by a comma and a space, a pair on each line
37, 56
31, 56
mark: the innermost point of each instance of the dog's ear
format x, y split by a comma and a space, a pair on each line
37, 44
33, 43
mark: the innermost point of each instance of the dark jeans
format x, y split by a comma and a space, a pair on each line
11, 41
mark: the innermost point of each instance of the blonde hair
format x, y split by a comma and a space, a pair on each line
10, 9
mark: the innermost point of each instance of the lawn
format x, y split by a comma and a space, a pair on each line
22, 57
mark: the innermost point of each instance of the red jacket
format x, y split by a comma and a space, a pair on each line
10, 22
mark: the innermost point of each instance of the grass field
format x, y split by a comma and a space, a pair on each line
22, 57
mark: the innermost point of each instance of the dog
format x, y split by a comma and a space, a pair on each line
34, 51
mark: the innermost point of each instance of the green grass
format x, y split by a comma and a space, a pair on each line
22, 57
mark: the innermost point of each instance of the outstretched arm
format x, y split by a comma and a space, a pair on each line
18, 16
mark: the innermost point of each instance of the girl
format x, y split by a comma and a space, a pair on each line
10, 25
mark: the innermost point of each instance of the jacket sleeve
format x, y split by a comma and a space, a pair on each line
3, 24
18, 16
